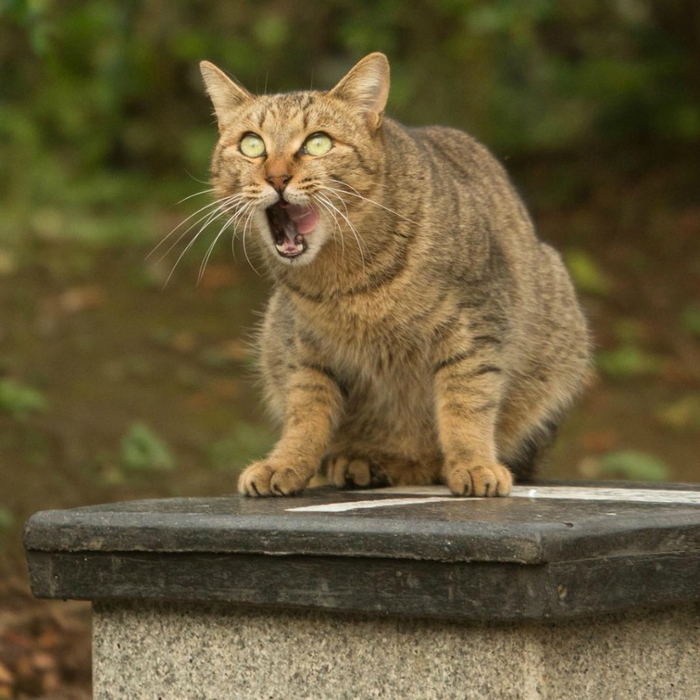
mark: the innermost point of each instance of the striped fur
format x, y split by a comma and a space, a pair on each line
426, 334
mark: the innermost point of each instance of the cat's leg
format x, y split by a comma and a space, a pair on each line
313, 406
468, 385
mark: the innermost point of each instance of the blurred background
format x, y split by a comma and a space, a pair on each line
114, 384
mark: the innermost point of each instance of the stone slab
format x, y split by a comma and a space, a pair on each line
160, 651
549, 552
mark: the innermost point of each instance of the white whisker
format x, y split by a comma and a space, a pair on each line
220, 211
218, 205
232, 221
355, 193
349, 223
245, 228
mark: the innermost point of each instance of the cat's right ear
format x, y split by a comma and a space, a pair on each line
226, 95
367, 86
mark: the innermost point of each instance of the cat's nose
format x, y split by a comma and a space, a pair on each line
279, 182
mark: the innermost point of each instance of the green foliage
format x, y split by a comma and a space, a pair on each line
587, 274
682, 414
628, 361
102, 104
7, 520
633, 465
20, 400
143, 451
248, 442
690, 318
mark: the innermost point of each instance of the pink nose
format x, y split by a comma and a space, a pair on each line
279, 182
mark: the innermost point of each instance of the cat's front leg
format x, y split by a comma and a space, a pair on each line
468, 385
313, 405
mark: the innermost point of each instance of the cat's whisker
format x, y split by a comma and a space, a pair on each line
208, 219
237, 219
349, 223
182, 223
211, 217
335, 194
218, 205
245, 251
355, 193
196, 179
231, 221
331, 213
196, 194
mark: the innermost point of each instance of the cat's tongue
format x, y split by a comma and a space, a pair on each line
305, 217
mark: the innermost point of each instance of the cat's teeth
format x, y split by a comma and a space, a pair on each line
288, 247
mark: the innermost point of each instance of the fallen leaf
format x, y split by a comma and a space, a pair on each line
6, 678
8, 263
42, 661
78, 299
599, 440
219, 277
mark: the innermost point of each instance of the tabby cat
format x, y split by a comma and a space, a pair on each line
418, 331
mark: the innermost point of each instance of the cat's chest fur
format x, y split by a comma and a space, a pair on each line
377, 335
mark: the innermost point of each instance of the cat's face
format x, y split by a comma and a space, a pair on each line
290, 169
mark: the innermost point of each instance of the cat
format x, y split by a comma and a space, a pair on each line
418, 331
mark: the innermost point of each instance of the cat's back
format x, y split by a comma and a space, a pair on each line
448, 153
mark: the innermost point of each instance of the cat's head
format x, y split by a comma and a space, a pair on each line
293, 169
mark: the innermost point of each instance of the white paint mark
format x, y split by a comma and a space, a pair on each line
576, 493
434, 494
359, 505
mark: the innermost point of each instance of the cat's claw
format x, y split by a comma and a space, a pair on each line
263, 479
479, 480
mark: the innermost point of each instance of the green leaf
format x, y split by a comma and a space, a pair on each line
690, 318
628, 361
683, 414
143, 451
7, 519
588, 276
248, 442
20, 400
633, 465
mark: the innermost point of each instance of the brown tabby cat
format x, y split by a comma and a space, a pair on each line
418, 330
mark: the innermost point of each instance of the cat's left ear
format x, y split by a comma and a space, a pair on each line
226, 95
367, 87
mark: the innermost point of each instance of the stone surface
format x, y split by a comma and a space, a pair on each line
161, 651
548, 552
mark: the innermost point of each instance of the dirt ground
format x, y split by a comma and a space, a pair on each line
115, 388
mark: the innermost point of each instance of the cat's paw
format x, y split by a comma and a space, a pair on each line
264, 478
345, 471
479, 480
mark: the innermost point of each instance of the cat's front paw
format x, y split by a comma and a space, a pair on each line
479, 480
264, 478
346, 471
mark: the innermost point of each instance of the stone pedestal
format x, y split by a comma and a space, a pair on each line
558, 592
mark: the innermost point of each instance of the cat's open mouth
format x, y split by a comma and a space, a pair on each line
289, 226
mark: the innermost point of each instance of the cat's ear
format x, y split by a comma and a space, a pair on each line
226, 94
367, 87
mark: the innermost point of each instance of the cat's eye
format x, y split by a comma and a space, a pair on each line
317, 144
252, 146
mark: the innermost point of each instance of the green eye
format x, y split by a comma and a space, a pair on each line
317, 144
252, 146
